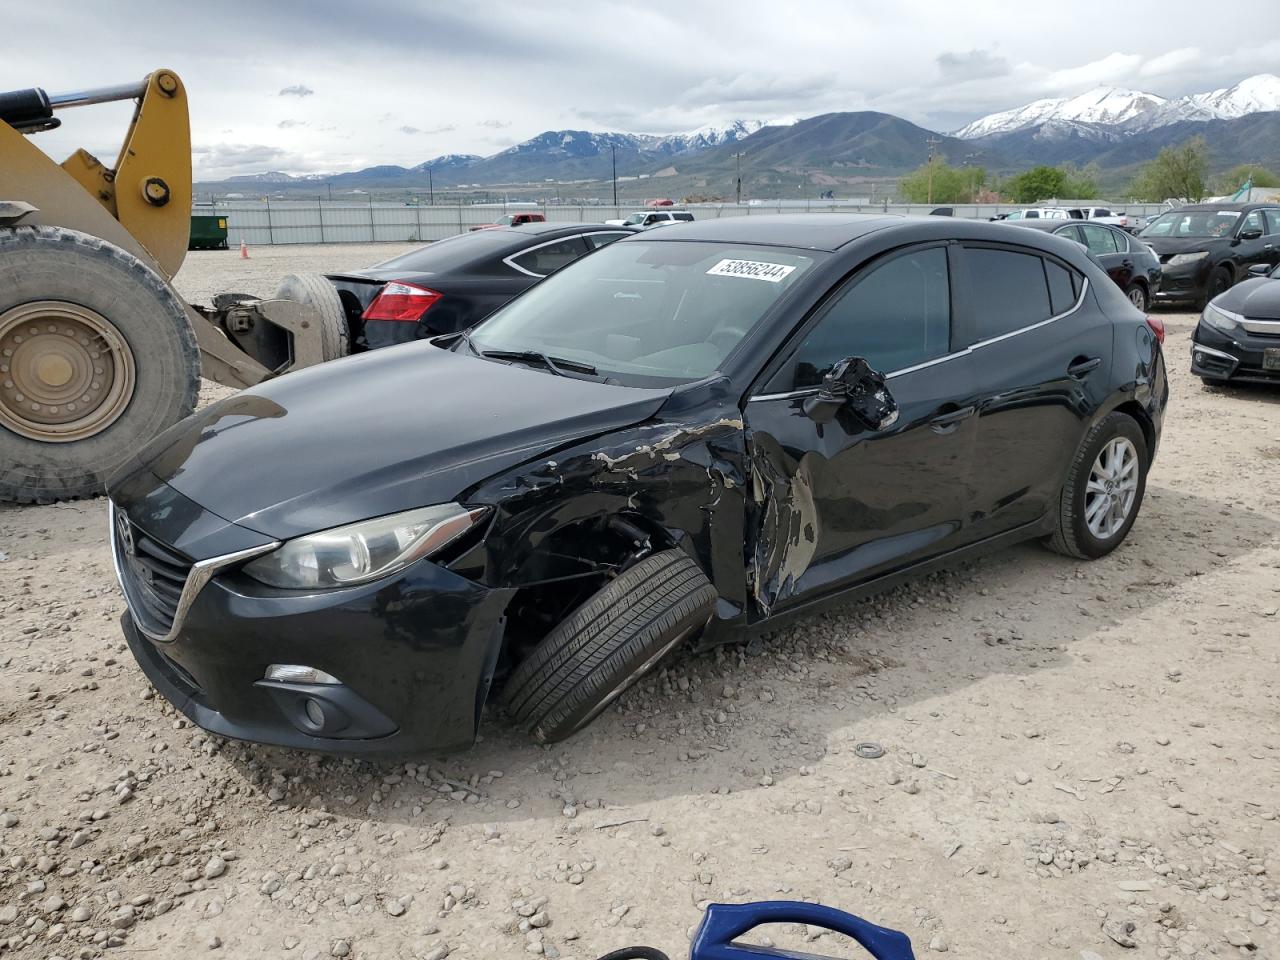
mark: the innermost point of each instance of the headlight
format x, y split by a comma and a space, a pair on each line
1178, 258
1223, 320
362, 551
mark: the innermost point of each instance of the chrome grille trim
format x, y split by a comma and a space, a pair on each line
199, 574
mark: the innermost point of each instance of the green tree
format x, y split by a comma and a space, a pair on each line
949, 184
1180, 172
1038, 183
1080, 184
1235, 178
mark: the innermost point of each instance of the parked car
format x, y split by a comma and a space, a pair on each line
688, 435
453, 284
1238, 336
1128, 262
660, 202
512, 220
1204, 248
1034, 213
1102, 214
653, 218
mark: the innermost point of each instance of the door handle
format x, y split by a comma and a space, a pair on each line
1082, 365
947, 422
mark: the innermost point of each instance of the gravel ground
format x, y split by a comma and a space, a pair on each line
1081, 760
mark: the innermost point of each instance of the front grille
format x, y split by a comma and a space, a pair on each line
154, 576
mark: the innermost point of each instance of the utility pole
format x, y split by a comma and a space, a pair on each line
330, 192
933, 144
613, 156
431, 188
737, 159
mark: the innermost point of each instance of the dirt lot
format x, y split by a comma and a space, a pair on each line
1081, 760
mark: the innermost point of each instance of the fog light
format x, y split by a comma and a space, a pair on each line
314, 712
296, 673
1199, 358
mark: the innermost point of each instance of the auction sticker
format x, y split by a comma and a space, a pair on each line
751, 269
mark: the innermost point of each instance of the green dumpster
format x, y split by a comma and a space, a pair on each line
208, 232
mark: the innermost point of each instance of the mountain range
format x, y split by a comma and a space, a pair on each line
1112, 127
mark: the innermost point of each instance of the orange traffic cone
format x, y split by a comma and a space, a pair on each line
244, 249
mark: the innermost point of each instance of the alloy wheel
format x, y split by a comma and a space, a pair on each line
1112, 488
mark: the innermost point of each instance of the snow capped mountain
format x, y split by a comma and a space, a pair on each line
1106, 105
711, 135
449, 160
577, 143
1132, 111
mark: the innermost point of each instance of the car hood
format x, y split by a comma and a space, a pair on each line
1169, 245
377, 433
1257, 298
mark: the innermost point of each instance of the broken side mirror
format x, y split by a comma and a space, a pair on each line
852, 384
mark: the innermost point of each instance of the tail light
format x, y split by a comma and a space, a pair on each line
401, 301
1157, 327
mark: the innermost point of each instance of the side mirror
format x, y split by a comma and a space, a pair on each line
1254, 233
853, 385
1259, 269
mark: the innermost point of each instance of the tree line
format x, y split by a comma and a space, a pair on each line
1177, 172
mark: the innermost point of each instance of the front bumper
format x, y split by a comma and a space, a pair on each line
414, 654
1189, 282
1239, 358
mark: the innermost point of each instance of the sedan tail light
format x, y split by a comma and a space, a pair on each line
1157, 327
401, 301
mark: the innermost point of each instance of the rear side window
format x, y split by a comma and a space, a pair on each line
1064, 286
1099, 240
895, 316
602, 239
685, 217
550, 257
1010, 290
1032, 214
1101, 212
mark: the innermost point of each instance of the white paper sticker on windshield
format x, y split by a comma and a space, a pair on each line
751, 269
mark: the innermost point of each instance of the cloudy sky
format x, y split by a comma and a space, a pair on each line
336, 85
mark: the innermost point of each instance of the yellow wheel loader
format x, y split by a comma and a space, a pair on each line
98, 353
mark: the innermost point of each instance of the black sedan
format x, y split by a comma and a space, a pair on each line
1238, 336
1204, 248
1129, 262
689, 434
453, 284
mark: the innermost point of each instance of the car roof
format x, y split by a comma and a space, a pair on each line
1224, 206
541, 227
831, 231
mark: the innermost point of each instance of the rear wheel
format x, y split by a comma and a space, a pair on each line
607, 644
1104, 489
318, 293
97, 357
1137, 295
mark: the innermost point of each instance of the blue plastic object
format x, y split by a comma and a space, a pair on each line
725, 922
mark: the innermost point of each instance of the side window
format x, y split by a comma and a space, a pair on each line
895, 316
602, 239
1071, 233
1033, 214
1253, 221
1064, 286
1010, 289
1273, 220
550, 257
1099, 240
1101, 212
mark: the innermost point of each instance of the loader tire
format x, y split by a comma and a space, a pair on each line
97, 357
607, 644
315, 290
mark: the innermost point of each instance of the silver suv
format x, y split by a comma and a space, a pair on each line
652, 218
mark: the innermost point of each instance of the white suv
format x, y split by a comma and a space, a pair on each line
652, 218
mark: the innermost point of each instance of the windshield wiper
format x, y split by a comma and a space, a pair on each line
557, 365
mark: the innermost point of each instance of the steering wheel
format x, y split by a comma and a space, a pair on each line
727, 337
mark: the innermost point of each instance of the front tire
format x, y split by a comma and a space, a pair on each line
1220, 281
1104, 489
607, 644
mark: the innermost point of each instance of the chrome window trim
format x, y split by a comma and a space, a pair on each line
1084, 288
547, 243
201, 573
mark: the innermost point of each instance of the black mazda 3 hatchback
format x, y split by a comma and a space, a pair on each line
690, 434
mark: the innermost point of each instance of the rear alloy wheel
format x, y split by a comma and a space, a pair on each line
1137, 295
1104, 489
608, 643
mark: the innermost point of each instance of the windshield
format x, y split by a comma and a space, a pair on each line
1192, 223
647, 314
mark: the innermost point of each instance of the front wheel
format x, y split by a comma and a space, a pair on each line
1219, 282
1104, 489
607, 644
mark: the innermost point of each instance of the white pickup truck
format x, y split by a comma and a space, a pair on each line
1101, 214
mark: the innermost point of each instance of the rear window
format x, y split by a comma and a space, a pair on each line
1010, 288
451, 254
682, 216
1064, 286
